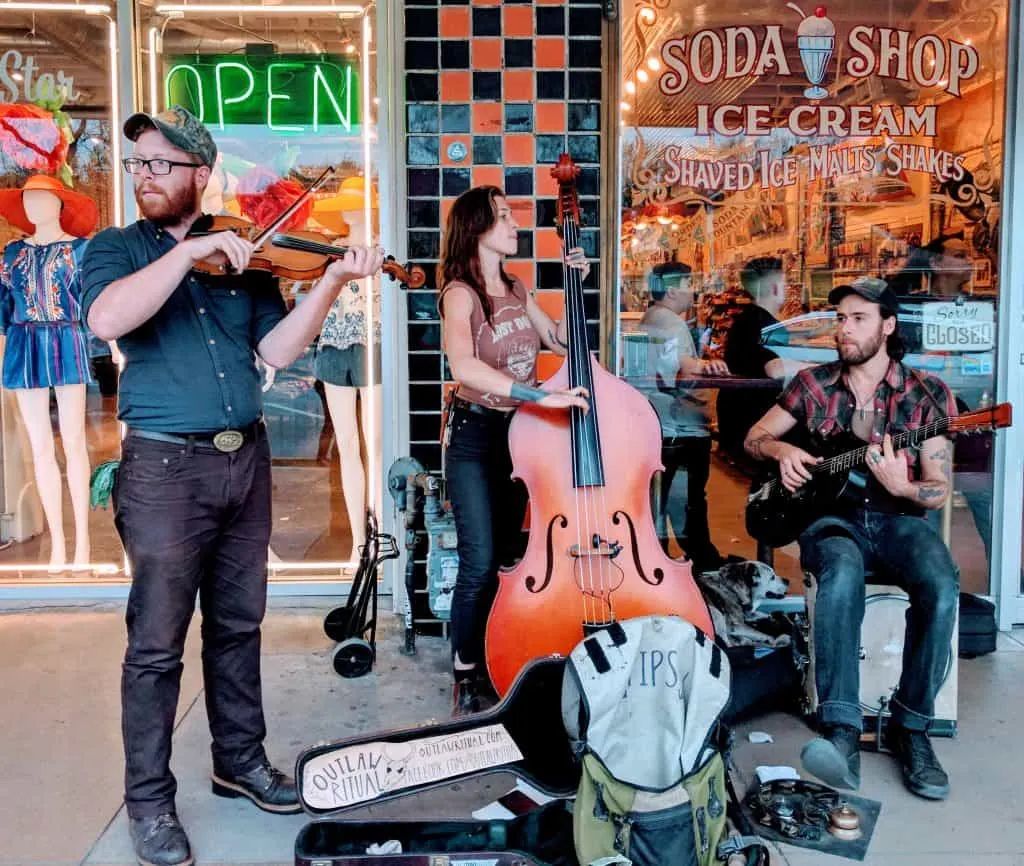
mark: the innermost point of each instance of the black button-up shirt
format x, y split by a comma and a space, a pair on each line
192, 367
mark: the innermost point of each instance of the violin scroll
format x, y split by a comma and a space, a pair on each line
411, 276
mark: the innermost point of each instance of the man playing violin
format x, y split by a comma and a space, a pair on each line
870, 393
193, 493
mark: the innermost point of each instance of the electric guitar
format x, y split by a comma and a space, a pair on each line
776, 517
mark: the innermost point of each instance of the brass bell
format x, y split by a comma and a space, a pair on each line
844, 823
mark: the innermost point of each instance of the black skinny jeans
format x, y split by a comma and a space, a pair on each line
489, 508
193, 522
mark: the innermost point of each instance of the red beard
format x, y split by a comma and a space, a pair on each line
166, 209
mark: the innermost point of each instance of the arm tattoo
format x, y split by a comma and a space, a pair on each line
930, 490
526, 393
756, 446
553, 336
943, 456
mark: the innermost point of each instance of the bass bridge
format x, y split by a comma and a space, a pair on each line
598, 547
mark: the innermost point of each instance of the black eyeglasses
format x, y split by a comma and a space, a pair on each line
134, 165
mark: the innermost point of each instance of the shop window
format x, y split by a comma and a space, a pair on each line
771, 156
288, 95
58, 133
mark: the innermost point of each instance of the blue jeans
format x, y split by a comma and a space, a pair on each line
897, 549
488, 507
193, 521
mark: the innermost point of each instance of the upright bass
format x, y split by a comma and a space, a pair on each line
593, 555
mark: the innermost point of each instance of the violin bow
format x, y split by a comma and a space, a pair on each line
294, 206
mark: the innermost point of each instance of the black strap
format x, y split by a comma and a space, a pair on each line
942, 410
716, 661
597, 656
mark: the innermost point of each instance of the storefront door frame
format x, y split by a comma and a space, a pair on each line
1008, 498
394, 310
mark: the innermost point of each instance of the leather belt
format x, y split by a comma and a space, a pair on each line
477, 409
225, 441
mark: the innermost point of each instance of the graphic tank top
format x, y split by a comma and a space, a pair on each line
509, 343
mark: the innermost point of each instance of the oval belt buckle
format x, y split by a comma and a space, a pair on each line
228, 440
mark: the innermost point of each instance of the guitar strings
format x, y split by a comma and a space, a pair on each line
849, 459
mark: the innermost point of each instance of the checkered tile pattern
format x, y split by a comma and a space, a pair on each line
494, 93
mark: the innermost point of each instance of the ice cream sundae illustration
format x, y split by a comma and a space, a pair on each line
816, 37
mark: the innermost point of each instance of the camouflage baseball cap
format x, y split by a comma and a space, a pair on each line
180, 127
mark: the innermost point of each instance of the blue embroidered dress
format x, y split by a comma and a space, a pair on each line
41, 314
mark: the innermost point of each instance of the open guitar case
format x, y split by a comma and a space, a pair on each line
523, 735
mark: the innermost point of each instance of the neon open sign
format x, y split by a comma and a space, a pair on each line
285, 93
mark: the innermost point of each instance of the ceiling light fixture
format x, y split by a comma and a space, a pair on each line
221, 8
87, 8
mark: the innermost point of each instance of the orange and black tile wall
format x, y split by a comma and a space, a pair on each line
494, 93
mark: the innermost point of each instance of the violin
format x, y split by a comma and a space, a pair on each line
295, 255
593, 555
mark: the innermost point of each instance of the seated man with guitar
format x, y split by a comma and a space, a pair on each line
869, 397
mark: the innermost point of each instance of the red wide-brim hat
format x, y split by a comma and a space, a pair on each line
78, 216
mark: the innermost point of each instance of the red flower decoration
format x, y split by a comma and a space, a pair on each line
30, 136
263, 196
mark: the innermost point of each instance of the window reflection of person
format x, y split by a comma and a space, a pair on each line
943, 268
683, 412
739, 408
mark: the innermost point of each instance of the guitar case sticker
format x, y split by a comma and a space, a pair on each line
363, 772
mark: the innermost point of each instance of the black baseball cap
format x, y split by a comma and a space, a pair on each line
870, 289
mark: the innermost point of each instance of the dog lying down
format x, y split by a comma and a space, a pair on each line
733, 594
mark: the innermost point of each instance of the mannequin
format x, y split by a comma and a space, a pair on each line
47, 346
342, 364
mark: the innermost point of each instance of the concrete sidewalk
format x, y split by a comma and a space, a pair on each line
61, 759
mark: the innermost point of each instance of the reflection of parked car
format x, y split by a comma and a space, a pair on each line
953, 341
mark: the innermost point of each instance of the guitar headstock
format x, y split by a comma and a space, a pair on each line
565, 173
992, 418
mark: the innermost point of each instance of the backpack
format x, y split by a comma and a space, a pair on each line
641, 702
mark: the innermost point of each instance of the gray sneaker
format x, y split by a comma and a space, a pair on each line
834, 757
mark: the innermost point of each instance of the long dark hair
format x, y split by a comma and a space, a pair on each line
894, 345
473, 214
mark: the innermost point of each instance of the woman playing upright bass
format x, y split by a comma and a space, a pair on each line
492, 330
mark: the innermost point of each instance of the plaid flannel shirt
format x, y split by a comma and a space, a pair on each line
821, 401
